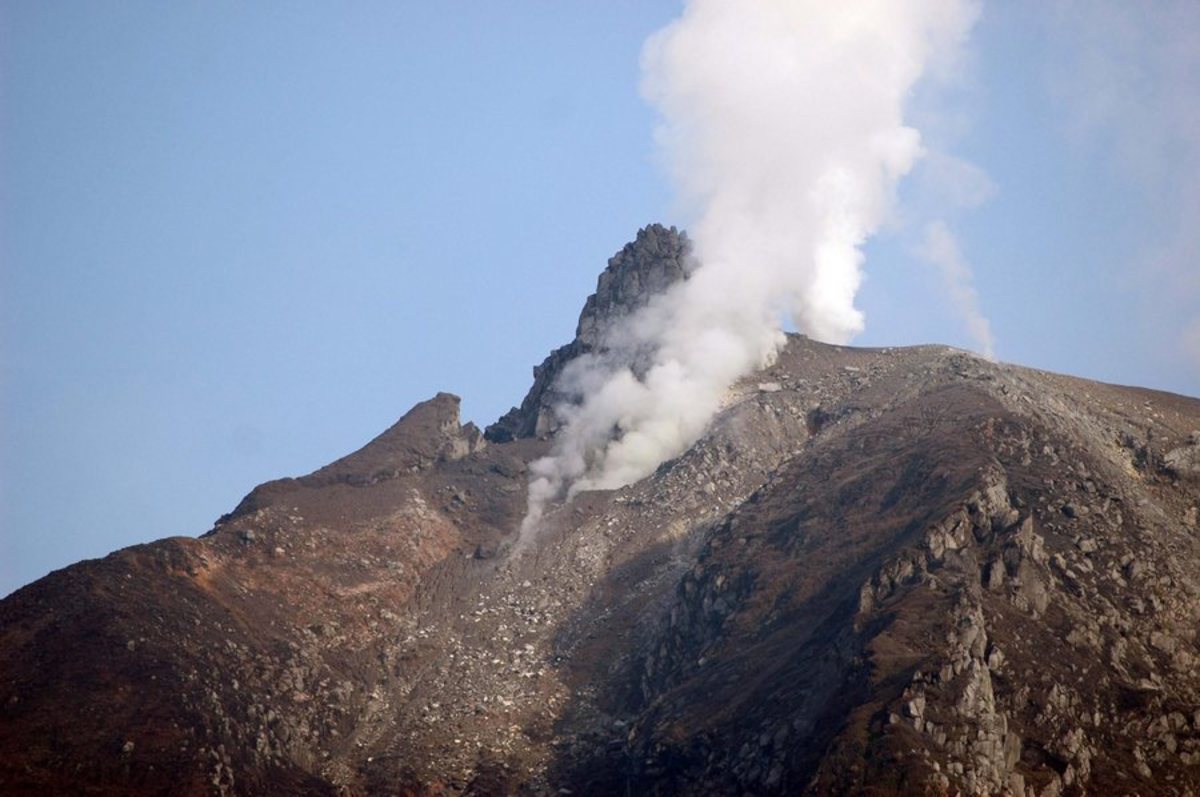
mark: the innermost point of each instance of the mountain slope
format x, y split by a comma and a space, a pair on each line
888, 571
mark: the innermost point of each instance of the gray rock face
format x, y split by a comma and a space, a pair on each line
652, 263
1184, 461
646, 267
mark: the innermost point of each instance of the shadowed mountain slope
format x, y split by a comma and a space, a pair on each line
880, 571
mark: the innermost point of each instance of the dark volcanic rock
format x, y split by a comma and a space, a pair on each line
880, 571
654, 261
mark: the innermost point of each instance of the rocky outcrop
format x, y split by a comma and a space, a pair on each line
879, 571
1184, 462
428, 434
646, 267
1005, 636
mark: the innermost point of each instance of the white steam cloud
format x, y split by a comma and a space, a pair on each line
941, 248
783, 129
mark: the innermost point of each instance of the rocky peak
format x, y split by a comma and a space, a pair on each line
654, 261
429, 433
647, 266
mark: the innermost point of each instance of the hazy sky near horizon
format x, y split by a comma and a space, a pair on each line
239, 240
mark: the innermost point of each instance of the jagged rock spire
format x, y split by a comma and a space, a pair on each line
656, 259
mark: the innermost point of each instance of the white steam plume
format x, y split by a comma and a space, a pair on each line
941, 248
783, 129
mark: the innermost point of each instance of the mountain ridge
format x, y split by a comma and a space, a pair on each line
879, 571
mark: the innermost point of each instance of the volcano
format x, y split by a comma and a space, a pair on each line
879, 571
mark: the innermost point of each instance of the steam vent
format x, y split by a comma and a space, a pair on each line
879, 571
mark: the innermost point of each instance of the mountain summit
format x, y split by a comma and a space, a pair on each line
879, 571
646, 267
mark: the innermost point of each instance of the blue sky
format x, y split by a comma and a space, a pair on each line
239, 240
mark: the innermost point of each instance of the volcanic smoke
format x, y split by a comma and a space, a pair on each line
782, 126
